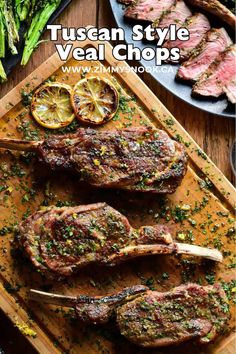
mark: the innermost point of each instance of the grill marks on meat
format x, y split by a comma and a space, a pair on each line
177, 15
218, 75
188, 312
135, 159
151, 318
62, 240
59, 241
148, 10
216, 8
197, 25
99, 310
216, 41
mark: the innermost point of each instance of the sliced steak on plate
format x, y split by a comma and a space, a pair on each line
148, 10
218, 75
177, 15
127, 2
198, 26
216, 41
230, 90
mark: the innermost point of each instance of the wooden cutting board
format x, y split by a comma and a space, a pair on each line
201, 210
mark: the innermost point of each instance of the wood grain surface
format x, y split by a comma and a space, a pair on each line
215, 135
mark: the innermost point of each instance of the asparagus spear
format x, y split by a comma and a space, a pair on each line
44, 10
9, 21
2, 35
3, 75
22, 8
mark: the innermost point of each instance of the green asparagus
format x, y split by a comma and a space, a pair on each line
35, 14
44, 10
2, 35
10, 25
3, 75
22, 8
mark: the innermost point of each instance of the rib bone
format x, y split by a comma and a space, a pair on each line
151, 318
60, 241
20, 145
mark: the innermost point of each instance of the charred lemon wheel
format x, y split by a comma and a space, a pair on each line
95, 100
51, 105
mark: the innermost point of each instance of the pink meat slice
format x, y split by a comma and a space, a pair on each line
216, 41
148, 10
219, 74
230, 90
177, 15
198, 26
127, 2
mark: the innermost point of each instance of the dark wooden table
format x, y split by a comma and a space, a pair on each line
215, 135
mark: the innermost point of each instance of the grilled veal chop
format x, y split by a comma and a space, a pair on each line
135, 159
153, 319
59, 241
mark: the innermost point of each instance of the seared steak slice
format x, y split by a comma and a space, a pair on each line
216, 41
197, 25
177, 15
230, 90
59, 241
188, 312
127, 2
136, 159
218, 75
216, 8
150, 318
148, 10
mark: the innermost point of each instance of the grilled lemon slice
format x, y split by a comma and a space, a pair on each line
95, 100
51, 105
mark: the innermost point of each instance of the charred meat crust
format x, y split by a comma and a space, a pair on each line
135, 159
154, 319
99, 310
188, 312
59, 241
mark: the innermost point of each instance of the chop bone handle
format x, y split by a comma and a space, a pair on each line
213, 254
157, 239
154, 249
20, 145
125, 295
